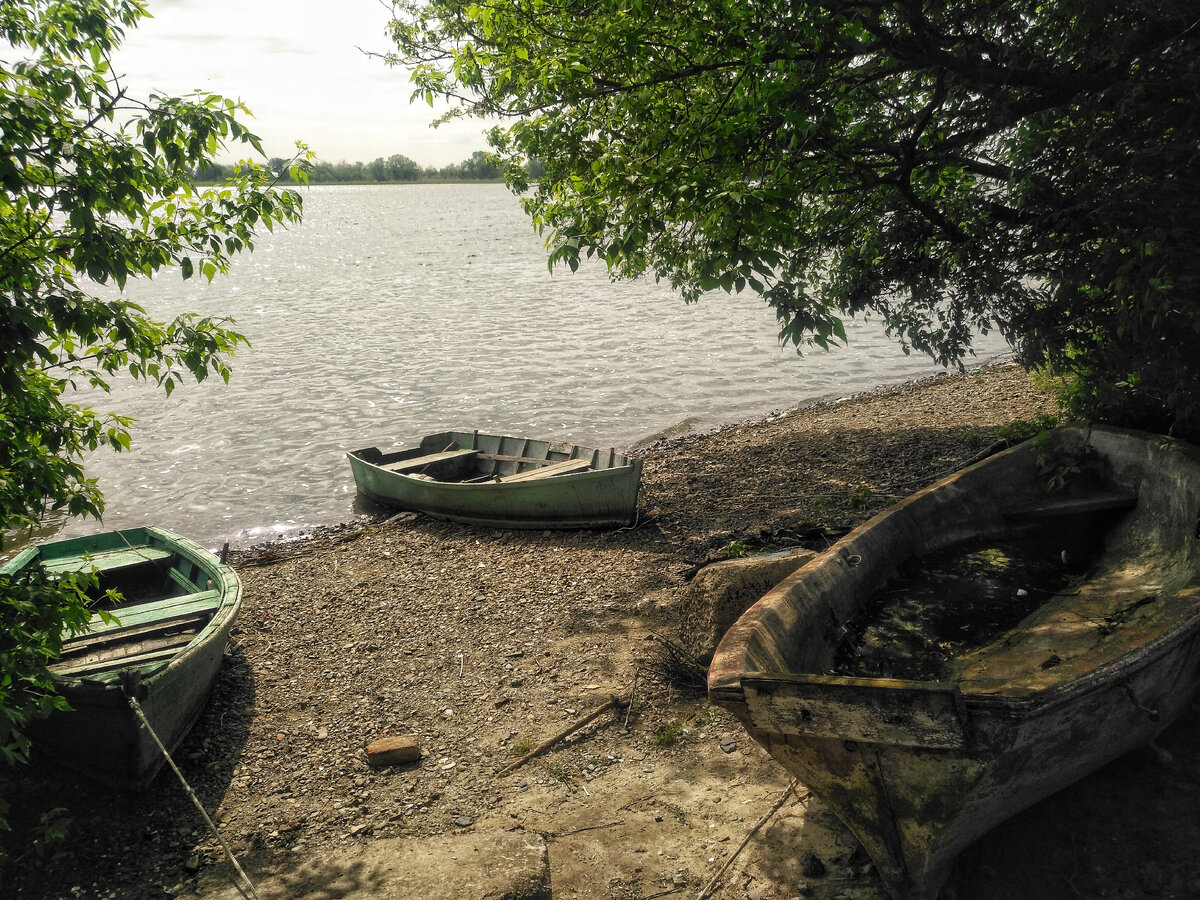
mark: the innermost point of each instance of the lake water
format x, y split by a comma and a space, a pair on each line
397, 311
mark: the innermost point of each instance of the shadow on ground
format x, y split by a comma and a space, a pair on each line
137, 845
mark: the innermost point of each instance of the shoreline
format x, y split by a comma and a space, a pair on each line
664, 442
482, 643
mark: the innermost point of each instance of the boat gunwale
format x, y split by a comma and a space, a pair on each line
226, 584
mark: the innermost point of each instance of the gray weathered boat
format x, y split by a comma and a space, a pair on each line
508, 482
918, 766
165, 647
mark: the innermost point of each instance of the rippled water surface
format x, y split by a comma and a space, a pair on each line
393, 312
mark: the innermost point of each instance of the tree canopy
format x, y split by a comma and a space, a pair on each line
95, 190
949, 168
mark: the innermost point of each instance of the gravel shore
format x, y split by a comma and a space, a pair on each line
483, 643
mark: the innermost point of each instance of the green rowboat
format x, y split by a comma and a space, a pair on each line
180, 603
506, 482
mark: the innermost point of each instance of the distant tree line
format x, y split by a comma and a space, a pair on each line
480, 166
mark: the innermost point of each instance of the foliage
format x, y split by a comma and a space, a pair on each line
736, 549
95, 190
480, 167
1024, 429
52, 829
520, 748
859, 495
668, 735
35, 614
946, 167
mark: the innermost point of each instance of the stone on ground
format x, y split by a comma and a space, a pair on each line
721, 592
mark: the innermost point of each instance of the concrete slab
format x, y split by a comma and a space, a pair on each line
488, 865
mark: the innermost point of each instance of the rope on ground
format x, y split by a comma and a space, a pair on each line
708, 888
137, 709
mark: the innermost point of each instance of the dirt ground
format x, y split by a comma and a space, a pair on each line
485, 643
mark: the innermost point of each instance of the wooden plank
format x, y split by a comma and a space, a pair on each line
108, 560
565, 467
1070, 505
519, 460
420, 462
183, 581
161, 637
135, 635
110, 666
166, 609
870, 710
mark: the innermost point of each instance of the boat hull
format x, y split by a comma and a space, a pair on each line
602, 495
918, 770
100, 736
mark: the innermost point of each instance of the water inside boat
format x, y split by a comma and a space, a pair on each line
937, 607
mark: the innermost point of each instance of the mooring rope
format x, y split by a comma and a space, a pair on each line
137, 709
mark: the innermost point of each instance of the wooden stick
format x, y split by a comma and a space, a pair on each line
612, 703
632, 690
390, 519
559, 834
753, 831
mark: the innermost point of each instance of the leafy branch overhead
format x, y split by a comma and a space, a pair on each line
94, 191
947, 168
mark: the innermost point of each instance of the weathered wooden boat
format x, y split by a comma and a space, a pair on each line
164, 648
507, 482
918, 767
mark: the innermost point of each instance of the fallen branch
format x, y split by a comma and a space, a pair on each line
708, 888
561, 834
613, 702
632, 691
637, 800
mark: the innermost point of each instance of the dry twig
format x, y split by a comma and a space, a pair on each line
708, 888
613, 702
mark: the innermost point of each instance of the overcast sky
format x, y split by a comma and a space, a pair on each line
298, 66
